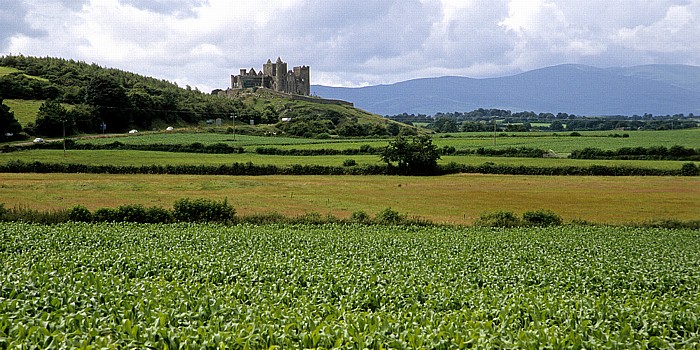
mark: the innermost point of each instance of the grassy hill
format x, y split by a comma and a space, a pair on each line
92, 95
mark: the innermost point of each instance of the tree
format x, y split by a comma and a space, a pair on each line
52, 118
9, 126
111, 101
418, 157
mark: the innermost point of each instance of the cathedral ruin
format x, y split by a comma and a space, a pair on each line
276, 77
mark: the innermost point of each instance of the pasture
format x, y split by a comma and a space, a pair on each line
561, 143
453, 199
138, 158
352, 287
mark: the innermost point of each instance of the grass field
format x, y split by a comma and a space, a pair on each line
351, 287
25, 110
8, 70
560, 144
446, 199
137, 158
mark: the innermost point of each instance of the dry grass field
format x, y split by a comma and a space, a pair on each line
458, 199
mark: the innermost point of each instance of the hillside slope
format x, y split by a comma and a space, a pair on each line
578, 89
93, 96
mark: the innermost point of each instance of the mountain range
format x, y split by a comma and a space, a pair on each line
573, 89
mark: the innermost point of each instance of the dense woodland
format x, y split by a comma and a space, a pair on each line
506, 121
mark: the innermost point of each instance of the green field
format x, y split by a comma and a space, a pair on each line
137, 158
25, 110
452, 199
8, 70
352, 287
560, 144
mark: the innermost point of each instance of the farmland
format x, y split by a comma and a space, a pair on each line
456, 199
141, 286
561, 142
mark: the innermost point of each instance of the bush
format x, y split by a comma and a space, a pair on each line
202, 210
79, 214
499, 219
131, 213
105, 215
542, 218
389, 217
690, 169
3, 211
349, 162
157, 215
360, 217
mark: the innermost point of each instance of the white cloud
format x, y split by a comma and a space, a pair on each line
352, 42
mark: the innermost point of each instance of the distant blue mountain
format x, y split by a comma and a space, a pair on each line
577, 89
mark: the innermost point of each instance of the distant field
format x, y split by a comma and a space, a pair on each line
137, 158
7, 70
563, 143
446, 199
25, 110
560, 144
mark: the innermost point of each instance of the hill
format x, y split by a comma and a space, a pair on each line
91, 98
578, 89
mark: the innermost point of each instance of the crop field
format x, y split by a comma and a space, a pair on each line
351, 287
456, 199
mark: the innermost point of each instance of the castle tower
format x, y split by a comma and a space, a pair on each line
280, 76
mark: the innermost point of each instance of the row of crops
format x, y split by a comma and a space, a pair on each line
258, 287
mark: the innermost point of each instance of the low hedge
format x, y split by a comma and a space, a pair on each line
250, 169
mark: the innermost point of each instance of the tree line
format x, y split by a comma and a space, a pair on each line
482, 120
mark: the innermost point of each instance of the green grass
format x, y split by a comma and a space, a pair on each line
195, 286
25, 110
563, 144
8, 70
137, 158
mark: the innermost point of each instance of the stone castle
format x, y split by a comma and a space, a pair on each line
276, 77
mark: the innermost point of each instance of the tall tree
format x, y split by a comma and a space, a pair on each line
9, 126
110, 100
52, 118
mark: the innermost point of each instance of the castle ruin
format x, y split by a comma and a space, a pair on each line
276, 77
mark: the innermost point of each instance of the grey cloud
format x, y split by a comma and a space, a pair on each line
12, 22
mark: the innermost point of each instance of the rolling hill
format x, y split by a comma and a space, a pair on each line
577, 89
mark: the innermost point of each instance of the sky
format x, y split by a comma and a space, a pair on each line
351, 42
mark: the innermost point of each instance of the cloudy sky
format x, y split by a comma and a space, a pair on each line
351, 42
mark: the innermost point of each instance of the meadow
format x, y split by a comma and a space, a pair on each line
451, 199
561, 143
351, 287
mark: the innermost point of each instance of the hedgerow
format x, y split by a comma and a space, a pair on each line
250, 169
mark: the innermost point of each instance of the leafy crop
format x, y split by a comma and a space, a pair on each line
211, 286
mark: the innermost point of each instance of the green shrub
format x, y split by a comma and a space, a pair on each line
202, 210
79, 213
156, 215
499, 219
541, 218
131, 213
360, 217
389, 217
3, 211
105, 215
349, 162
690, 169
